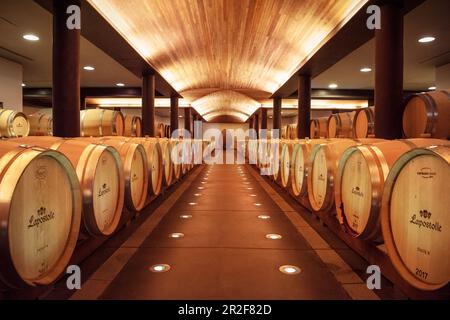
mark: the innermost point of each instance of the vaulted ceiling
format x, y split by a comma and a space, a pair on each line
225, 55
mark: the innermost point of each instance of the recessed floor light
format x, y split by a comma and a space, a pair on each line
258, 204
366, 69
120, 84
197, 194
249, 188
176, 235
203, 182
273, 236
432, 88
158, 268
290, 270
192, 203
31, 37
427, 39
253, 195
186, 216
200, 188
89, 68
263, 217
332, 86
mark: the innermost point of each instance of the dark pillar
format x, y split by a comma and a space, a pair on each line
304, 106
256, 126
173, 114
263, 118
277, 114
187, 120
389, 72
66, 72
148, 105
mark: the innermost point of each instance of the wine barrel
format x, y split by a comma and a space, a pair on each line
132, 126
299, 164
273, 165
101, 122
340, 125
13, 124
427, 115
286, 162
252, 147
167, 131
360, 182
41, 123
364, 123
166, 148
415, 217
322, 168
154, 163
284, 132
101, 178
160, 130
135, 168
39, 217
291, 131
318, 128
177, 158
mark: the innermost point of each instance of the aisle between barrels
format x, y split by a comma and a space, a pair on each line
214, 243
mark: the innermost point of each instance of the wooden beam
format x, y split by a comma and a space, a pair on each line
66, 73
304, 106
389, 72
277, 105
148, 105
263, 118
187, 120
173, 114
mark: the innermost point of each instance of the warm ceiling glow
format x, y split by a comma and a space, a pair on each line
321, 104
132, 102
244, 46
366, 69
31, 37
426, 39
332, 86
24, 85
120, 84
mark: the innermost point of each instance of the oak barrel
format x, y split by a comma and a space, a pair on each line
318, 128
13, 124
286, 163
154, 163
41, 123
101, 122
415, 217
427, 115
322, 168
364, 123
299, 164
360, 182
160, 130
135, 169
132, 126
340, 125
166, 148
99, 171
40, 214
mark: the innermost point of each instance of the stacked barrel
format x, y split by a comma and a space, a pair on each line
381, 191
56, 191
391, 192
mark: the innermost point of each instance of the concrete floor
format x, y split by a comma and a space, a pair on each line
224, 253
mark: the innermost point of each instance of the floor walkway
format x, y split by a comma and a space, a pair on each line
224, 252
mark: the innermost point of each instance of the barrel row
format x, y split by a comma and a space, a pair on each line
382, 191
54, 190
426, 115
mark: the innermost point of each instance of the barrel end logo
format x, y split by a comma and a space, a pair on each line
426, 173
41, 173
